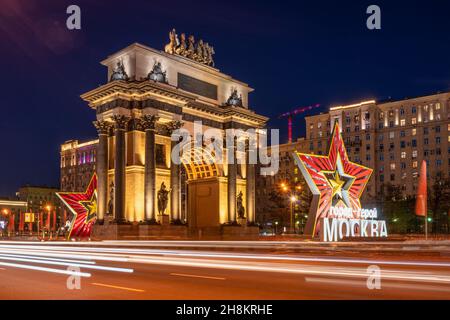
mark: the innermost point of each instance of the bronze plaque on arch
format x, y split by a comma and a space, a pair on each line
197, 86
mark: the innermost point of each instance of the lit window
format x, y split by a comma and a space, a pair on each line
414, 154
403, 155
438, 106
391, 135
414, 120
414, 164
414, 131
402, 122
392, 166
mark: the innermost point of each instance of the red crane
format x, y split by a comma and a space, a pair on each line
290, 116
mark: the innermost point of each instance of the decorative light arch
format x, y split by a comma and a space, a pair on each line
199, 162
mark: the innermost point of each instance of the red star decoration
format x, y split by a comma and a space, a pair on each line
319, 172
83, 206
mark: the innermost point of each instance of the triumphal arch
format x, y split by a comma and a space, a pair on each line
149, 94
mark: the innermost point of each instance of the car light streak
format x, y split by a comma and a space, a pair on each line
86, 266
51, 270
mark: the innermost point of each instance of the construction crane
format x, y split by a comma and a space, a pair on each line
290, 116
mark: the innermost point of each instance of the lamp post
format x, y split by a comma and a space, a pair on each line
295, 190
6, 212
293, 200
49, 208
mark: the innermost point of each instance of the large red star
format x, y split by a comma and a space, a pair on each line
83, 206
334, 179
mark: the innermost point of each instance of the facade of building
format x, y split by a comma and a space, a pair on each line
77, 164
392, 137
150, 94
39, 199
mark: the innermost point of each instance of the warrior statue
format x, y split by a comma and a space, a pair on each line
234, 99
240, 206
157, 74
163, 198
111, 199
119, 72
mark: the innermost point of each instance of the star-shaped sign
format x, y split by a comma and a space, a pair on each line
83, 206
333, 179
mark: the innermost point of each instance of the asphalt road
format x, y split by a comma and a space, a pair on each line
128, 271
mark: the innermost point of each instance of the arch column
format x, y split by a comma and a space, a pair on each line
103, 129
120, 124
175, 174
232, 179
251, 157
149, 125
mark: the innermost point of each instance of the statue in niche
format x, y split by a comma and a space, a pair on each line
234, 99
163, 198
157, 74
240, 206
119, 72
111, 199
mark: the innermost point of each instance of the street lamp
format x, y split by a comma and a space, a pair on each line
293, 200
49, 208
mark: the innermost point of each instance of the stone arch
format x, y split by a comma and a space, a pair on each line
199, 163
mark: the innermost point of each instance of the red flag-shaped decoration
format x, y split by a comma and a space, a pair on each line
47, 224
421, 202
11, 223
21, 221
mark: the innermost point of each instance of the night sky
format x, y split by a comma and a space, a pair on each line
293, 53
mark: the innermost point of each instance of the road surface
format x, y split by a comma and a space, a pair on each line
171, 270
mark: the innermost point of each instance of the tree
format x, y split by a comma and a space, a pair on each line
439, 203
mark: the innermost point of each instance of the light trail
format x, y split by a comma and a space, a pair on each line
57, 263
242, 256
51, 270
260, 263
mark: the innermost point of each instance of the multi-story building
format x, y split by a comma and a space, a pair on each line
39, 198
392, 137
77, 164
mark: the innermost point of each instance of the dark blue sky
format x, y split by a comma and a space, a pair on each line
292, 53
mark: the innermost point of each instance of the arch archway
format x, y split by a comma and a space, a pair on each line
199, 163
199, 169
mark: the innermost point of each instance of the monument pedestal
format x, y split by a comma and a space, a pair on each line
242, 221
164, 219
